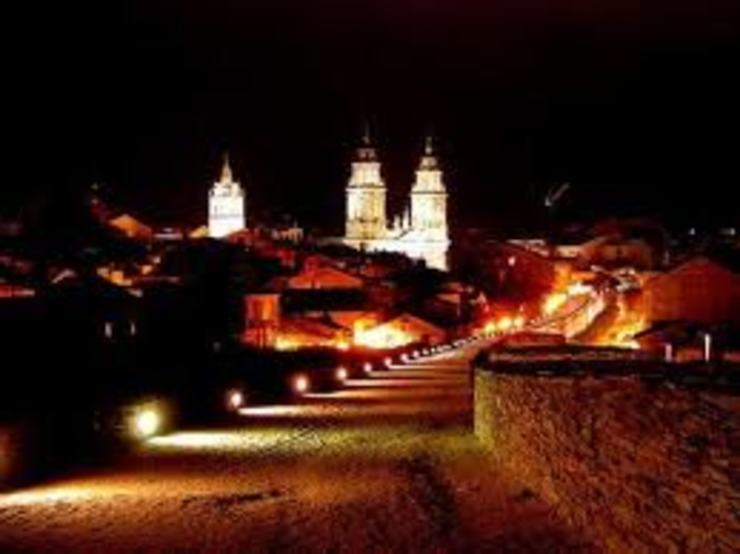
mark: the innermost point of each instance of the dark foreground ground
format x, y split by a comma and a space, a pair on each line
388, 465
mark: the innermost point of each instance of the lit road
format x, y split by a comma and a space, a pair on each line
387, 465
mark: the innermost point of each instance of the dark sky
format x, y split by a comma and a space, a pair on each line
631, 104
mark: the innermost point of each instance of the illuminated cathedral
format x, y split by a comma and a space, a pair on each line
420, 231
226, 204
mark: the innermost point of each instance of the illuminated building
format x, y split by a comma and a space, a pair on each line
226, 205
420, 233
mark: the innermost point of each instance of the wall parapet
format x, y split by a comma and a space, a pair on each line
639, 465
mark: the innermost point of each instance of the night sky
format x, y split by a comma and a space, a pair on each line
637, 108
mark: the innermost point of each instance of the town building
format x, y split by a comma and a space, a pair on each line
700, 290
226, 204
131, 227
262, 319
403, 329
316, 275
420, 232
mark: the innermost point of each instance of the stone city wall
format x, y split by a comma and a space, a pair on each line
637, 467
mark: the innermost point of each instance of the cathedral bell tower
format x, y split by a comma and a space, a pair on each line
429, 198
366, 196
225, 204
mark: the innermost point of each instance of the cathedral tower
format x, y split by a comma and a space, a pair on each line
429, 211
429, 197
226, 210
366, 197
421, 233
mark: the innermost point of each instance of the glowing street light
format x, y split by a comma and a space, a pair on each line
235, 399
147, 422
301, 384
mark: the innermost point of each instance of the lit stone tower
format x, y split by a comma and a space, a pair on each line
421, 233
225, 204
429, 210
366, 219
429, 197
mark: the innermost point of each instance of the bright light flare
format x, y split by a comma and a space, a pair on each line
341, 374
505, 324
579, 288
284, 344
367, 367
388, 361
553, 302
301, 384
147, 423
382, 336
235, 399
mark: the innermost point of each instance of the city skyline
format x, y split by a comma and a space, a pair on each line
521, 98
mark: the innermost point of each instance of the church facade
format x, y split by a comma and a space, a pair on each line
226, 205
420, 232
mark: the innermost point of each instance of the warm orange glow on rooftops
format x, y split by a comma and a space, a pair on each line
505, 324
553, 302
380, 336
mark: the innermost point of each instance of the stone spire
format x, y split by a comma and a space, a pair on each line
429, 159
429, 146
366, 152
226, 204
366, 195
226, 174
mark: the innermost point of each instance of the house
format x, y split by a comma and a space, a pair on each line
616, 251
521, 272
262, 319
200, 232
699, 290
609, 251
320, 276
300, 332
131, 227
349, 319
413, 328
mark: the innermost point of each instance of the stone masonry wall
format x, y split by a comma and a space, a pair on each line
637, 468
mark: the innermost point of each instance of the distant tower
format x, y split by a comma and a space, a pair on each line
429, 197
429, 208
226, 213
366, 196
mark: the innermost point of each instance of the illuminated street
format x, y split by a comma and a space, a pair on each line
387, 465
